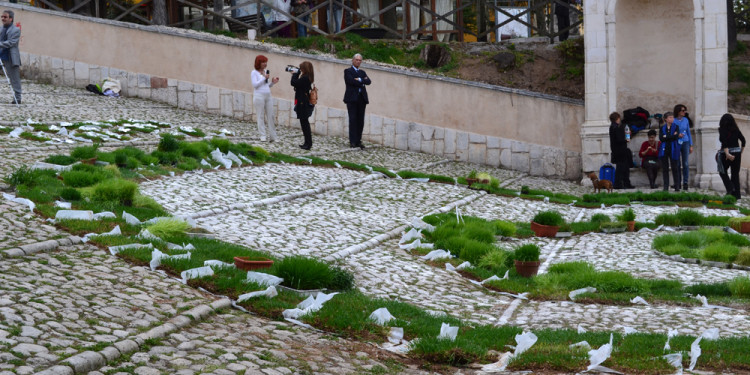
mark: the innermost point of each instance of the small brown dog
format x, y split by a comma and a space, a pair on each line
600, 184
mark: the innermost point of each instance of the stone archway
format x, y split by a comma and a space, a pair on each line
683, 44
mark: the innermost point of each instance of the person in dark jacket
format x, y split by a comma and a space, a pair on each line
10, 36
563, 19
730, 137
356, 100
302, 81
669, 150
621, 156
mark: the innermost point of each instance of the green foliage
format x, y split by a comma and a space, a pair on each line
626, 215
169, 227
720, 252
505, 228
527, 253
33, 137
716, 290
740, 287
667, 219
168, 143
22, 176
551, 217
60, 159
342, 279
116, 190
304, 273
573, 57
689, 217
82, 178
493, 259
743, 257
600, 218
196, 150
70, 194
84, 152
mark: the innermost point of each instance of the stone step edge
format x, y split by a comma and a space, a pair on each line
37, 247
85, 362
377, 240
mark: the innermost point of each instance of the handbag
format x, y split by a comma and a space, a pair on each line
313, 95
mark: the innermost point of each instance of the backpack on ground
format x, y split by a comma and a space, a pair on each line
607, 172
313, 95
636, 119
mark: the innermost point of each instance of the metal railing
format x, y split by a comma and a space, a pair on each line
477, 18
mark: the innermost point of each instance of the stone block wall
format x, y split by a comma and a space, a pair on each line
453, 144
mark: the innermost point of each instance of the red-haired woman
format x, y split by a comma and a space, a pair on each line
262, 100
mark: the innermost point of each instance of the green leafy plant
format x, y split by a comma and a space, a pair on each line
84, 152
626, 215
169, 227
301, 272
116, 190
527, 253
60, 159
70, 194
168, 143
552, 218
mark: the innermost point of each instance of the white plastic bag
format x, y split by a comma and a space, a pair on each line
695, 352
116, 249
523, 342
598, 356
671, 333
448, 332
74, 215
381, 316
412, 234
639, 299
194, 273
437, 254
263, 278
396, 335
572, 295
270, 292
130, 219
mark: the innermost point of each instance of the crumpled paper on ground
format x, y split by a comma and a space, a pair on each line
572, 295
491, 278
419, 224
396, 335
105, 214
412, 234
524, 341
461, 266
114, 232
309, 305
157, 256
74, 215
581, 344
671, 333
130, 219
217, 156
145, 234
675, 360
270, 292
598, 356
263, 278
416, 244
704, 301
194, 273
437, 254
217, 263
65, 205
695, 352
172, 246
711, 334
448, 332
381, 316
639, 299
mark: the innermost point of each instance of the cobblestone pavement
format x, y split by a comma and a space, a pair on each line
75, 304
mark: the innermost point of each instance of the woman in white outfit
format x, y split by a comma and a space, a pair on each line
262, 100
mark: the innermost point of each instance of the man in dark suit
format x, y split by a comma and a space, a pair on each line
355, 98
10, 35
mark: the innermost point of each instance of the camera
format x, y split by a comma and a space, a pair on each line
291, 69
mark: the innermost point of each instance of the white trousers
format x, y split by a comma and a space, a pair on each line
263, 103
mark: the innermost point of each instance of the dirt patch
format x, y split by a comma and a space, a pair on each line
539, 67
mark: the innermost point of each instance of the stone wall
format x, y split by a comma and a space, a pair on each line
459, 120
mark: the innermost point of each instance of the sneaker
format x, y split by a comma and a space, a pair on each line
684, 187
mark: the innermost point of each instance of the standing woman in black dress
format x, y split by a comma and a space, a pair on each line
302, 81
730, 137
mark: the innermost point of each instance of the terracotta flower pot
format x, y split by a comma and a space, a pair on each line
527, 269
743, 227
471, 181
544, 230
631, 226
245, 263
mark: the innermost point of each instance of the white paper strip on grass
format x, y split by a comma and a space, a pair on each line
105, 214
675, 360
448, 332
671, 333
231, 156
336, 164
130, 219
523, 342
195, 273
572, 295
15, 133
491, 278
217, 156
157, 256
145, 234
66, 205
116, 249
54, 167
205, 163
307, 306
412, 234
172, 246
459, 217
598, 356
639, 299
396, 335
461, 266
628, 331
217, 263
416, 244
581, 330
74, 215
704, 301
25, 201
246, 160
381, 316
114, 232
270, 292
419, 179
711, 334
263, 278
437, 254
419, 224
500, 365
695, 352
62, 131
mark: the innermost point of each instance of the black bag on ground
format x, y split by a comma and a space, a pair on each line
636, 118
94, 88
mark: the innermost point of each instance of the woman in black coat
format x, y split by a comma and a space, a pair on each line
302, 81
621, 156
730, 137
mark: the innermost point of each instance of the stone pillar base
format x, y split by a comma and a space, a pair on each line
710, 181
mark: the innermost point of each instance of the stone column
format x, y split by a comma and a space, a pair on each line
712, 59
600, 85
